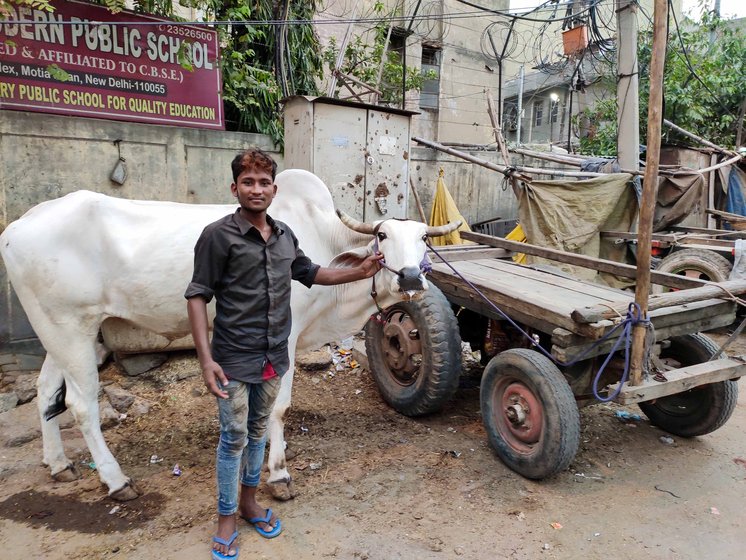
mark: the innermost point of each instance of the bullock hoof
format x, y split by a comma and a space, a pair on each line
68, 474
125, 493
282, 490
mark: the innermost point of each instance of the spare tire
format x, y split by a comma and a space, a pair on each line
702, 264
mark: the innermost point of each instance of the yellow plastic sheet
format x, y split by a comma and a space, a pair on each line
517, 234
444, 211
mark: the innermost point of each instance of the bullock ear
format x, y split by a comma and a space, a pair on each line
350, 259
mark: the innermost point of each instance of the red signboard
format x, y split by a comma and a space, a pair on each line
83, 60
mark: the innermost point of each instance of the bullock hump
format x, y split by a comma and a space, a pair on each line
298, 185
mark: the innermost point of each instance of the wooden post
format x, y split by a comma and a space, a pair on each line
699, 139
417, 201
496, 129
500, 139
650, 185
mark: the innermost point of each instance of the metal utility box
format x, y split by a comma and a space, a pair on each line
360, 151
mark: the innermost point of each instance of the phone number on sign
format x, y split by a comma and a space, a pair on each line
186, 32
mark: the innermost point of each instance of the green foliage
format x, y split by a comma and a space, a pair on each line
58, 73
704, 88
600, 120
164, 8
8, 7
257, 71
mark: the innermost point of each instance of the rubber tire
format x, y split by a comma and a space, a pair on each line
560, 432
711, 265
710, 405
438, 376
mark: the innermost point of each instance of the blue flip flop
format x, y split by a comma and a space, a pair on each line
225, 542
276, 530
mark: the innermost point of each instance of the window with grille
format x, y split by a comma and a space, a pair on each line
538, 112
430, 92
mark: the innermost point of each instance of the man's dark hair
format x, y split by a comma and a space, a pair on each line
253, 158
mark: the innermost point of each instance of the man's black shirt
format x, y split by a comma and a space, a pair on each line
250, 280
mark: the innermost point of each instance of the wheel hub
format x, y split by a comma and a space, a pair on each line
523, 417
516, 414
402, 346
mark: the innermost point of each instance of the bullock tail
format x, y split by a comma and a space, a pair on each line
58, 405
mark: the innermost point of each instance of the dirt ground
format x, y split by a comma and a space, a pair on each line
376, 485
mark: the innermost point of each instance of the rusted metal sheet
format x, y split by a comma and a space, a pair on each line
387, 166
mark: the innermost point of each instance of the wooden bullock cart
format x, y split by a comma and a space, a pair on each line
530, 400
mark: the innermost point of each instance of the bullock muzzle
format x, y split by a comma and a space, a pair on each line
410, 279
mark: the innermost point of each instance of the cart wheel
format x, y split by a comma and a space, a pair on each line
415, 353
695, 263
529, 412
700, 410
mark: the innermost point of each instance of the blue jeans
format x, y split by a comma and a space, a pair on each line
243, 428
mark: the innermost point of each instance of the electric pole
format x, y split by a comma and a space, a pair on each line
628, 103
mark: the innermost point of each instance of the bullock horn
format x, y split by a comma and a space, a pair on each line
435, 231
353, 224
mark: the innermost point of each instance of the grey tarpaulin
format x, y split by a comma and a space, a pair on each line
600, 165
738, 272
569, 215
678, 194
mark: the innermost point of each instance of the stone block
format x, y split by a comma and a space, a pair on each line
136, 364
8, 401
25, 387
120, 399
109, 416
316, 360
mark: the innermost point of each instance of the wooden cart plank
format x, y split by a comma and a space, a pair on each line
687, 240
556, 292
474, 252
711, 231
720, 314
467, 299
533, 304
682, 379
506, 273
603, 293
720, 290
664, 317
530, 285
626, 270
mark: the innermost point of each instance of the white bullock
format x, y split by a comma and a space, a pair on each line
85, 257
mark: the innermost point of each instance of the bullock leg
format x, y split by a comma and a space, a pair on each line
279, 482
77, 358
49, 382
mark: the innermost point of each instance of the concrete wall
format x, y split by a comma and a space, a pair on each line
47, 156
478, 192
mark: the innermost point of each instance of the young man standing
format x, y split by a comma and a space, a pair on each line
247, 260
